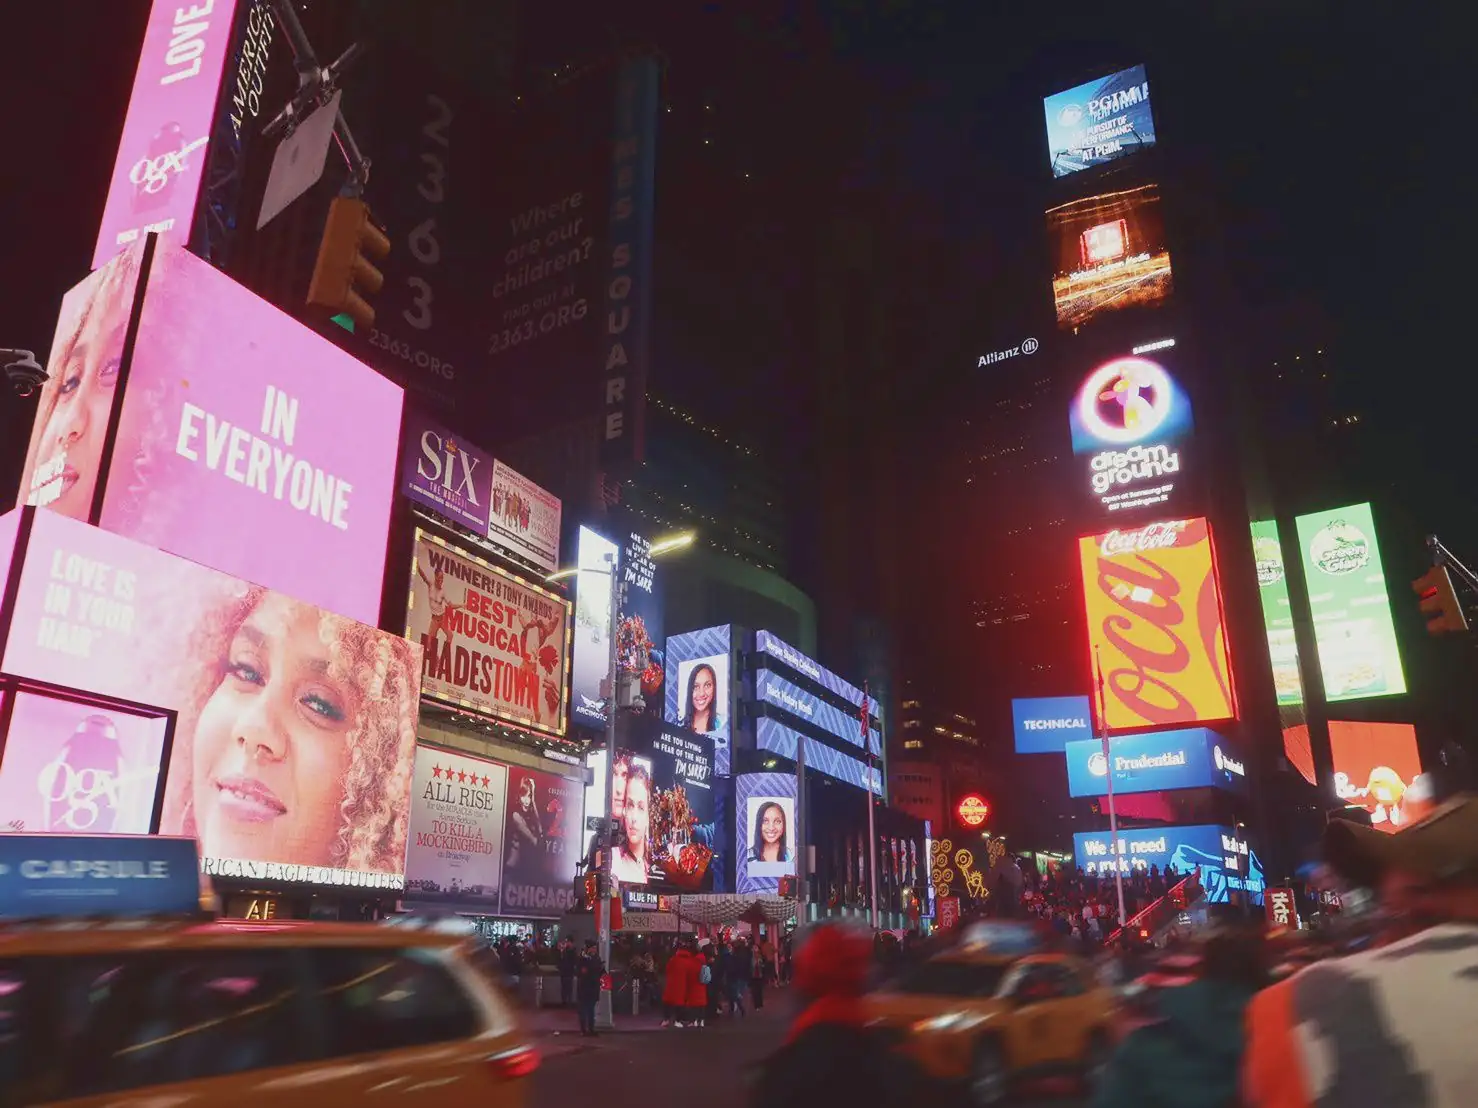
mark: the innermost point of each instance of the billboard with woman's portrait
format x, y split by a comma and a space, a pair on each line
764, 831
699, 694
295, 728
541, 844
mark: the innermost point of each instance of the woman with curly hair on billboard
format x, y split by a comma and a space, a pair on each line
296, 735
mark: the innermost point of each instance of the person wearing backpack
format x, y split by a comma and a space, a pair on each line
696, 1001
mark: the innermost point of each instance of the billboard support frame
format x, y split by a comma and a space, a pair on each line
604, 1014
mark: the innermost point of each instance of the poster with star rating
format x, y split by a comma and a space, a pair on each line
455, 856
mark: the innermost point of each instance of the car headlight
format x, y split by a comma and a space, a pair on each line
951, 1021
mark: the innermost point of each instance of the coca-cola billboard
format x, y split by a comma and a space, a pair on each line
1155, 628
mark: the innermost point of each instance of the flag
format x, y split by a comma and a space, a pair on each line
862, 716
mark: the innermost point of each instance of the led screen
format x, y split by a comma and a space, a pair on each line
1374, 765
1099, 121
75, 886
296, 727
1129, 421
250, 444
699, 687
794, 701
1192, 758
541, 844
1226, 863
1299, 751
78, 769
787, 655
491, 642
598, 560
1277, 611
1046, 724
774, 737
524, 518
1155, 631
1109, 253
455, 856
764, 831
446, 473
1353, 631
639, 634
9, 526
80, 393
162, 153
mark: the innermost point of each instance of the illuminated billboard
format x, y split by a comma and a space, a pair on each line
1099, 121
455, 856
1129, 422
1155, 630
166, 134
773, 737
1353, 630
1046, 724
764, 831
1374, 765
1226, 862
1163, 761
792, 700
492, 643
700, 687
597, 559
772, 646
1109, 253
295, 729
1277, 612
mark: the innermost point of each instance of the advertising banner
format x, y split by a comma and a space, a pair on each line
1282, 908
295, 732
1374, 765
80, 394
1353, 630
770, 688
1277, 612
1099, 121
524, 518
1226, 863
541, 844
699, 693
639, 636
773, 646
1155, 625
239, 423
93, 875
1046, 724
161, 155
77, 769
455, 857
446, 473
1130, 421
1109, 254
947, 909
774, 737
1194, 758
598, 561
764, 831
492, 643
9, 528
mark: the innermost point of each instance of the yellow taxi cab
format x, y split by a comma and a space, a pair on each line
997, 1010
105, 1008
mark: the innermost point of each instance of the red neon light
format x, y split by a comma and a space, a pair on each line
973, 811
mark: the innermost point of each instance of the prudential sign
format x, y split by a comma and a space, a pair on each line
1193, 758
1045, 725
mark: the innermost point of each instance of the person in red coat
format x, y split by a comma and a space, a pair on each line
675, 986
697, 1002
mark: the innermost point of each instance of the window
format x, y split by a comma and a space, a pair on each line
375, 1000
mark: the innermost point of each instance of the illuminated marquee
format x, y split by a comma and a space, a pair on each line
973, 811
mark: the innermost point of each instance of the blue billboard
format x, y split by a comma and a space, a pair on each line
1099, 121
98, 875
774, 737
1046, 724
699, 694
1191, 758
770, 688
1225, 860
765, 845
784, 653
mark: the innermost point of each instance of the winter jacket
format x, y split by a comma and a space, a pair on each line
1191, 1057
675, 984
697, 992
833, 1064
589, 969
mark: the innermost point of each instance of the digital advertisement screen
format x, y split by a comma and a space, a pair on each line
1046, 724
787, 655
295, 733
764, 831
1099, 121
78, 769
1227, 864
446, 473
598, 561
541, 844
1299, 750
770, 688
1193, 758
1353, 630
77, 400
51, 876
1277, 611
639, 636
1110, 253
1130, 421
774, 737
1155, 626
161, 156
491, 642
455, 856
699, 687
1374, 765
524, 518
239, 423
10, 524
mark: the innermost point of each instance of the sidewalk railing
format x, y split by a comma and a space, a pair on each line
1164, 910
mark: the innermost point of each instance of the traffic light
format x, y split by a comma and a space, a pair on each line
344, 274
1439, 602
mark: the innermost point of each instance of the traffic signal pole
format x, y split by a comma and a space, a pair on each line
1103, 730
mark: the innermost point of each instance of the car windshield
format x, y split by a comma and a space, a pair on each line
952, 979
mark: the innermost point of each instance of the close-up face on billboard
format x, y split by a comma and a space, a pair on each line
232, 448
295, 729
1099, 121
1374, 766
1130, 420
699, 689
1109, 254
764, 831
1353, 629
1155, 631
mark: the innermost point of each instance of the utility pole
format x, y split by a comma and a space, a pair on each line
1103, 730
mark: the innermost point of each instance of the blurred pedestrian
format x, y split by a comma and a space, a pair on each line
697, 988
675, 987
567, 958
589, 971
